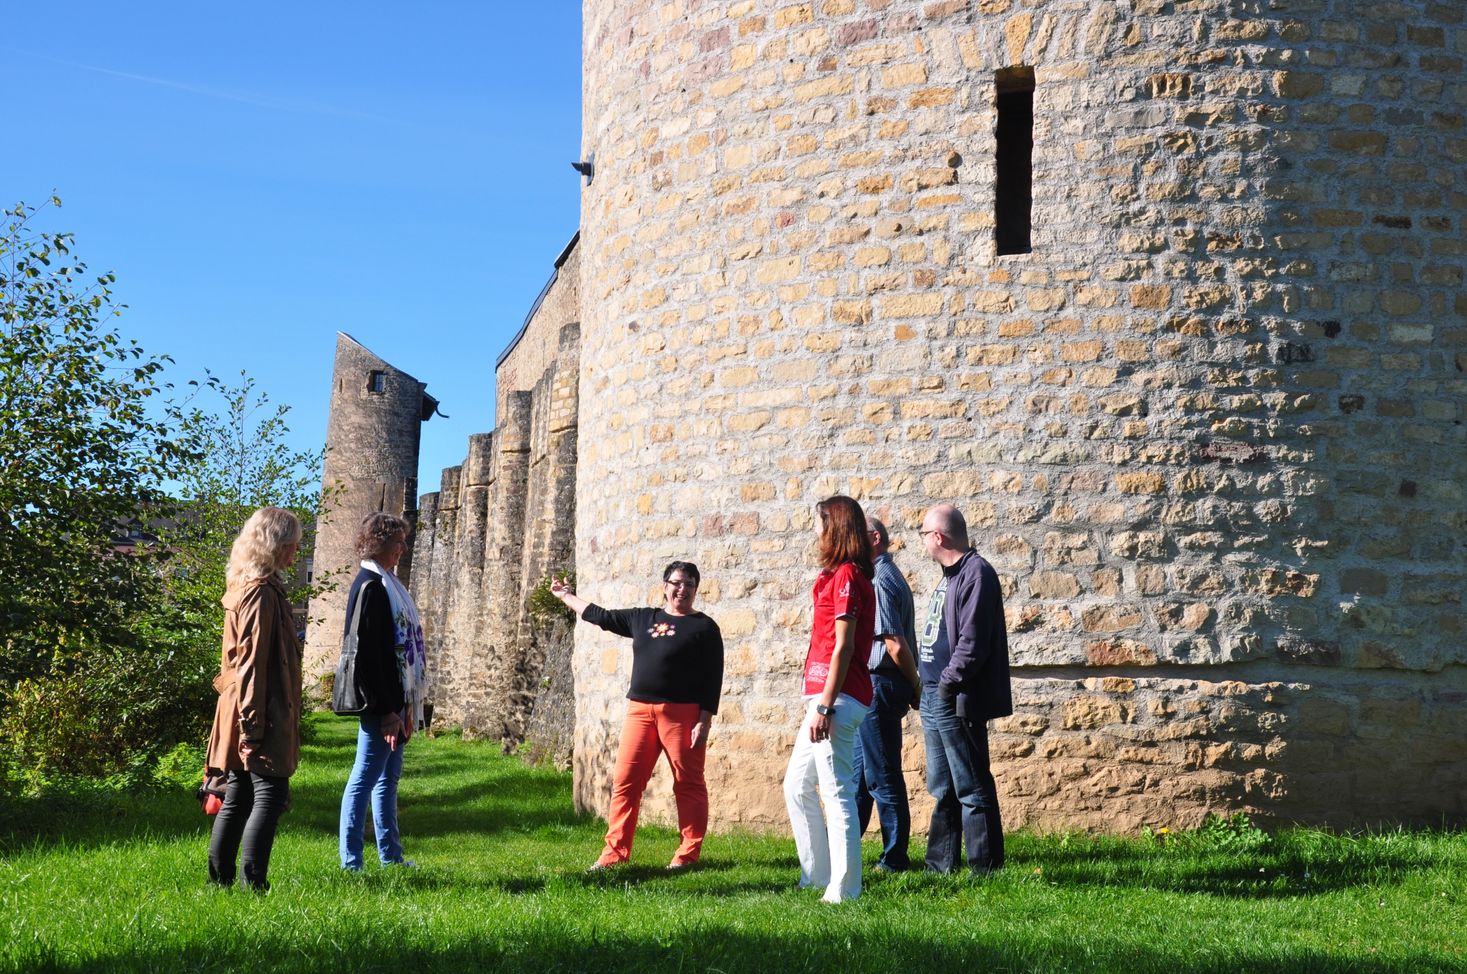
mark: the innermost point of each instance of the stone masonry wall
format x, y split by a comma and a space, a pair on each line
1210, 430
537, 352
500, 523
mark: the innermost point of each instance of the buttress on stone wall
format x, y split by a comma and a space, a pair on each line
1209, 430
501, 522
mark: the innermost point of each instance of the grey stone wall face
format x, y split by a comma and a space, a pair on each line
1210, 431
543, 648
541, 350
372, 440
502, 522
436, 545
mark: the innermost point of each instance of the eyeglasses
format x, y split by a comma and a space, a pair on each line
923, 534
680, 583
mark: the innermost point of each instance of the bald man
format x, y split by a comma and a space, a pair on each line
963, 657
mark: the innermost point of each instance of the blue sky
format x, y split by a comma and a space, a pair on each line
263, 175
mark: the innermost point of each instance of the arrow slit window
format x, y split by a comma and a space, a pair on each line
1014, 158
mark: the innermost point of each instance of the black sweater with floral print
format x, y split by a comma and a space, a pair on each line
675, 659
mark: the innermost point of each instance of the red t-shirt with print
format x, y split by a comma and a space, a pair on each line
842, 592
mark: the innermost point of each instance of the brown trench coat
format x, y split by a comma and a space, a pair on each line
259, 683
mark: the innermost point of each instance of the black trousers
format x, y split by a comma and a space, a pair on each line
253, 804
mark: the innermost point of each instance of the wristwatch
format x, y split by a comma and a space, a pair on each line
823, 710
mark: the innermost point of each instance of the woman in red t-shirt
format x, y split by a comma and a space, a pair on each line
837, 694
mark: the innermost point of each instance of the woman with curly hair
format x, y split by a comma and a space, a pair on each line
256, 732
393, 669
837, 694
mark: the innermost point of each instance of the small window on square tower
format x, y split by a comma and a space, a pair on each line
1014, 189
376, 381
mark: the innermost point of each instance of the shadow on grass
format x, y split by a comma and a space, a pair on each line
498, 794
1289, 865
721, 881
713, 946
490, 803
87, 818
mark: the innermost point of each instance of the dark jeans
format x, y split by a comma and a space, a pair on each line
878, 768
959, 778
252, 806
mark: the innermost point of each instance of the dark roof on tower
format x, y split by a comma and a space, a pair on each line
430, 403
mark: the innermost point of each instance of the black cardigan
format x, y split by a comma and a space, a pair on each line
376, 644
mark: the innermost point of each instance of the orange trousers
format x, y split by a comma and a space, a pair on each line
652, 729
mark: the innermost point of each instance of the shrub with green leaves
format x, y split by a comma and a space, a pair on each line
1235, 833
543, 606
113, 717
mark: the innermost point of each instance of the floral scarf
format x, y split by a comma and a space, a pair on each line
412, 660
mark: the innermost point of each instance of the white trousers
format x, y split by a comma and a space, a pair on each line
828, 842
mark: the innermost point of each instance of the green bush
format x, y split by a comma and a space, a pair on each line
542, 605
1217, 833
110, 713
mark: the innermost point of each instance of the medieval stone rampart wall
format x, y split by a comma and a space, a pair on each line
500, 523
1209, 430
538, 350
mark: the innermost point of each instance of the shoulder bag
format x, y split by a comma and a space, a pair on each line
349, 696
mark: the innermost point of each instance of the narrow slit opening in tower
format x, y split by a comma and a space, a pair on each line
1014, 162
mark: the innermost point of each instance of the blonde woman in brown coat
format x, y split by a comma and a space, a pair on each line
256, 733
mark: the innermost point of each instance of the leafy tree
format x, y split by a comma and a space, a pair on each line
243, 463
81, 454
129, 705
107, 655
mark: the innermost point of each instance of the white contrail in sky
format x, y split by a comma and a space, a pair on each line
244, 98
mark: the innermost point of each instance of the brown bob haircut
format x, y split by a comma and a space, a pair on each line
843, 535
376, 530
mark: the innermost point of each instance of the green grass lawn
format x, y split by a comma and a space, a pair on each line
111, 883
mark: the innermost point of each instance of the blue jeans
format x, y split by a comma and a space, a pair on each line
374, 776
878, 768
959, 779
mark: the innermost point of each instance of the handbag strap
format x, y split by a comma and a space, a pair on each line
356, 623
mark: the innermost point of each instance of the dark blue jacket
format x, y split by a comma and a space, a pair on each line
978, 672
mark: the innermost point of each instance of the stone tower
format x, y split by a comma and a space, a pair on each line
1166, 295
372, 439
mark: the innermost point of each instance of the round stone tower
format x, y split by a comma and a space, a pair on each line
1165, 296
372, 438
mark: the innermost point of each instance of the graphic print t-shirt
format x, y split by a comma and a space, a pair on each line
675, 659
933, 651
842, 592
